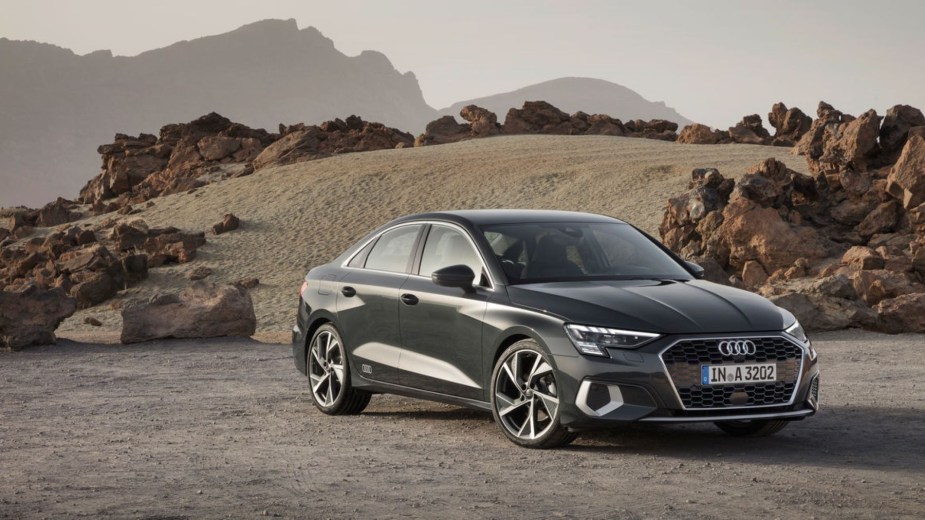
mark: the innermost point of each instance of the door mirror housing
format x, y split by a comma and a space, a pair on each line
696, 270
454, 276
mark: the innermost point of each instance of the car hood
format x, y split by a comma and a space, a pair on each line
668, 307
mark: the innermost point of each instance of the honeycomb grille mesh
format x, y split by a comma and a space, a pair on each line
684, 359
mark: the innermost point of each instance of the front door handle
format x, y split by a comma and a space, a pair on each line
348, 291
409, 299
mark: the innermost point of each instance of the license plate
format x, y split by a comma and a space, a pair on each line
732, 374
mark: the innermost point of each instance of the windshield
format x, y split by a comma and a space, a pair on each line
538, 252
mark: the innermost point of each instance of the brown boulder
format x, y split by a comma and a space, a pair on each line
202, 310
445, 130
851, 144
30, 316
537, 117
861, 257
199, 273
752, 232
753, 274
95, 288
896, 125
879, 284
906, 181
482, 122
881, 220
790, 124
56, 213
700, 134
749, 131
812, 144
229, 223
217, 147
173, 247
905, 313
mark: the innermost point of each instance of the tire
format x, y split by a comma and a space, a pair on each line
755, 428
329, 375
524, 398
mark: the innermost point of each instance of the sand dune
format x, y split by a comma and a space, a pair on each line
298, 216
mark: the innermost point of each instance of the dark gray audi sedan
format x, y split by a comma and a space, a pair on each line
556, 322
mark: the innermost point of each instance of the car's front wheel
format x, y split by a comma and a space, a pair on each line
525, 398
756, 428
329, 375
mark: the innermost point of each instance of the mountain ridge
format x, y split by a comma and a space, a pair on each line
572, 94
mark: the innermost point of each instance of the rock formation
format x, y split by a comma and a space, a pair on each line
843, 248
308, 142
789, 124
29, 316
92, 264
539, 117
184, 156
202, 310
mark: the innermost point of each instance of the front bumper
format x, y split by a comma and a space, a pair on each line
636, 385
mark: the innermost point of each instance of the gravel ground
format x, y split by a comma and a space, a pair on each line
224, 428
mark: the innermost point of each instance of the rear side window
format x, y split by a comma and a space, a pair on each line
392, 251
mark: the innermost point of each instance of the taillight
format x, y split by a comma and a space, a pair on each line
302, 289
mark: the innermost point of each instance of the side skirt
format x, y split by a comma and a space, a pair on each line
389, 388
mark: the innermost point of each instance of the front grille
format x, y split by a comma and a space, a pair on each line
684, 359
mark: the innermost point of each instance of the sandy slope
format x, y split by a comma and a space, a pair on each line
305, 214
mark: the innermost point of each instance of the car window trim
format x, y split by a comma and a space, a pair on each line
425, 225
346, 264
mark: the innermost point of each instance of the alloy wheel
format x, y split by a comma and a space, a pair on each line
326, 368
526, 399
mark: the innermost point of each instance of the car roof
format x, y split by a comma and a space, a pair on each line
480, 217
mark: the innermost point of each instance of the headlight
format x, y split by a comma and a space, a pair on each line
595, 341
796, 330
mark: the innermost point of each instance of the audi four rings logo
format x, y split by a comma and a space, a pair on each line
738, 347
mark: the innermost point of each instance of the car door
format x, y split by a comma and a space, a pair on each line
441, 327
367, 302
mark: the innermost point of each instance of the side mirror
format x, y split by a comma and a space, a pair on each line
696, 270
454, 276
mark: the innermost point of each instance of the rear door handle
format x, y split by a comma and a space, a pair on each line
409, 299
348, 291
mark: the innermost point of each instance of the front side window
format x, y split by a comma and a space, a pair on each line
447, 246
392, 251
541, 252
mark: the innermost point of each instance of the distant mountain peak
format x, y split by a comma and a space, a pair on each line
571, 94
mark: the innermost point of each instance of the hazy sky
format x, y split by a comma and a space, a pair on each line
714, 61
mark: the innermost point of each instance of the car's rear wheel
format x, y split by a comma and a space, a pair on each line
329, 375
756, 428
525, 398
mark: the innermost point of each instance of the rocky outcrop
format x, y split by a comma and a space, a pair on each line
183, 157
789, 124
845, 247
29, 316
202, 310
906, 180
697, 133
301, 142
897, 123
92, 264
749, 131
480, 123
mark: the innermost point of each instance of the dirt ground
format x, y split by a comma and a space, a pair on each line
225, 428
